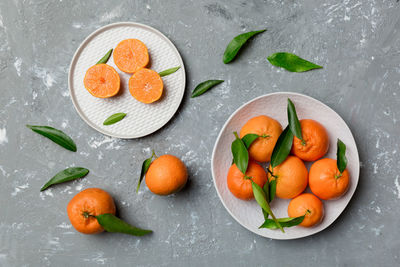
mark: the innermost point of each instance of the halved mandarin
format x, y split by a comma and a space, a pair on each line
102, 81
130, 55
146, 86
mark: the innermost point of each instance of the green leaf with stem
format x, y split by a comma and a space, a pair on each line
205, 86
261, 199
272, 190
55, 135
284, 222
104, 59
266, 191
113, 224
294, 123
168, 71
236, 44
282, 147
341, 159
66, 175
291, 62
145, 167
240, 154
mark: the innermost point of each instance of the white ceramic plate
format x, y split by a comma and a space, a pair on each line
142, 119
248, 213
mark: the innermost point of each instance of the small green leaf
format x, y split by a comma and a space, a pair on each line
294, 123
66, 175
114, 118
248, 139
261, 199
341, 156
169, 71
282, 147
55, 135
266, 191
236, 44
145, 167
114, 224
204, 86
104, 59
240, 154
272, 190
291, 62
285, 222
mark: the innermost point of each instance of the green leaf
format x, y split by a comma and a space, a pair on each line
113, 224
236, 44
266, 191
66, 175
341, 156
104, 59
204, 86
291, 62
145, 167
261, 199
285, 222
240, 154
272, 190
282, 147
248, 139
114, 118
55, 135
169, 71
294, 123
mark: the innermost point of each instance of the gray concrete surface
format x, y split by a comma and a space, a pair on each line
357, 42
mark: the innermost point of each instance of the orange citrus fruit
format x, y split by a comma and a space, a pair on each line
316, 141
131, 55
309, 205
325, 180
166, 175
85, 205
102, 81
291, 177
240, 184
146, 86
269, 130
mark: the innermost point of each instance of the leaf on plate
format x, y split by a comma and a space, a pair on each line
248, 139
114, 118
341, 160
282, 147
284, 222
169, 71
105, 58
240, 154
294, 123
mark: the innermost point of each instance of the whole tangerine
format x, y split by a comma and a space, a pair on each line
325, 180
309, 205
291, 177
166, 175
269, 130
315, 141
87, 204
240, 184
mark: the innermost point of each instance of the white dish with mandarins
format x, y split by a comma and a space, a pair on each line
285, 165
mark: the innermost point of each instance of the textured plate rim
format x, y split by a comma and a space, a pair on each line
79, 51
357, 167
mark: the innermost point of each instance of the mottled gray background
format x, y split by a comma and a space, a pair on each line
357, 42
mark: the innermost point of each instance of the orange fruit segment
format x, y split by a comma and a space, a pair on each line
240, 185
269, 130
146, 86
166, 175
86, 204
291, 177
102, 81
316, 141
131, 55
325, 180
309, 205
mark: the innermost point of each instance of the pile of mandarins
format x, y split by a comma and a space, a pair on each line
292, 176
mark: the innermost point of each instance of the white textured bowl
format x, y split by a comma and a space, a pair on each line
142, 119
248, 213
